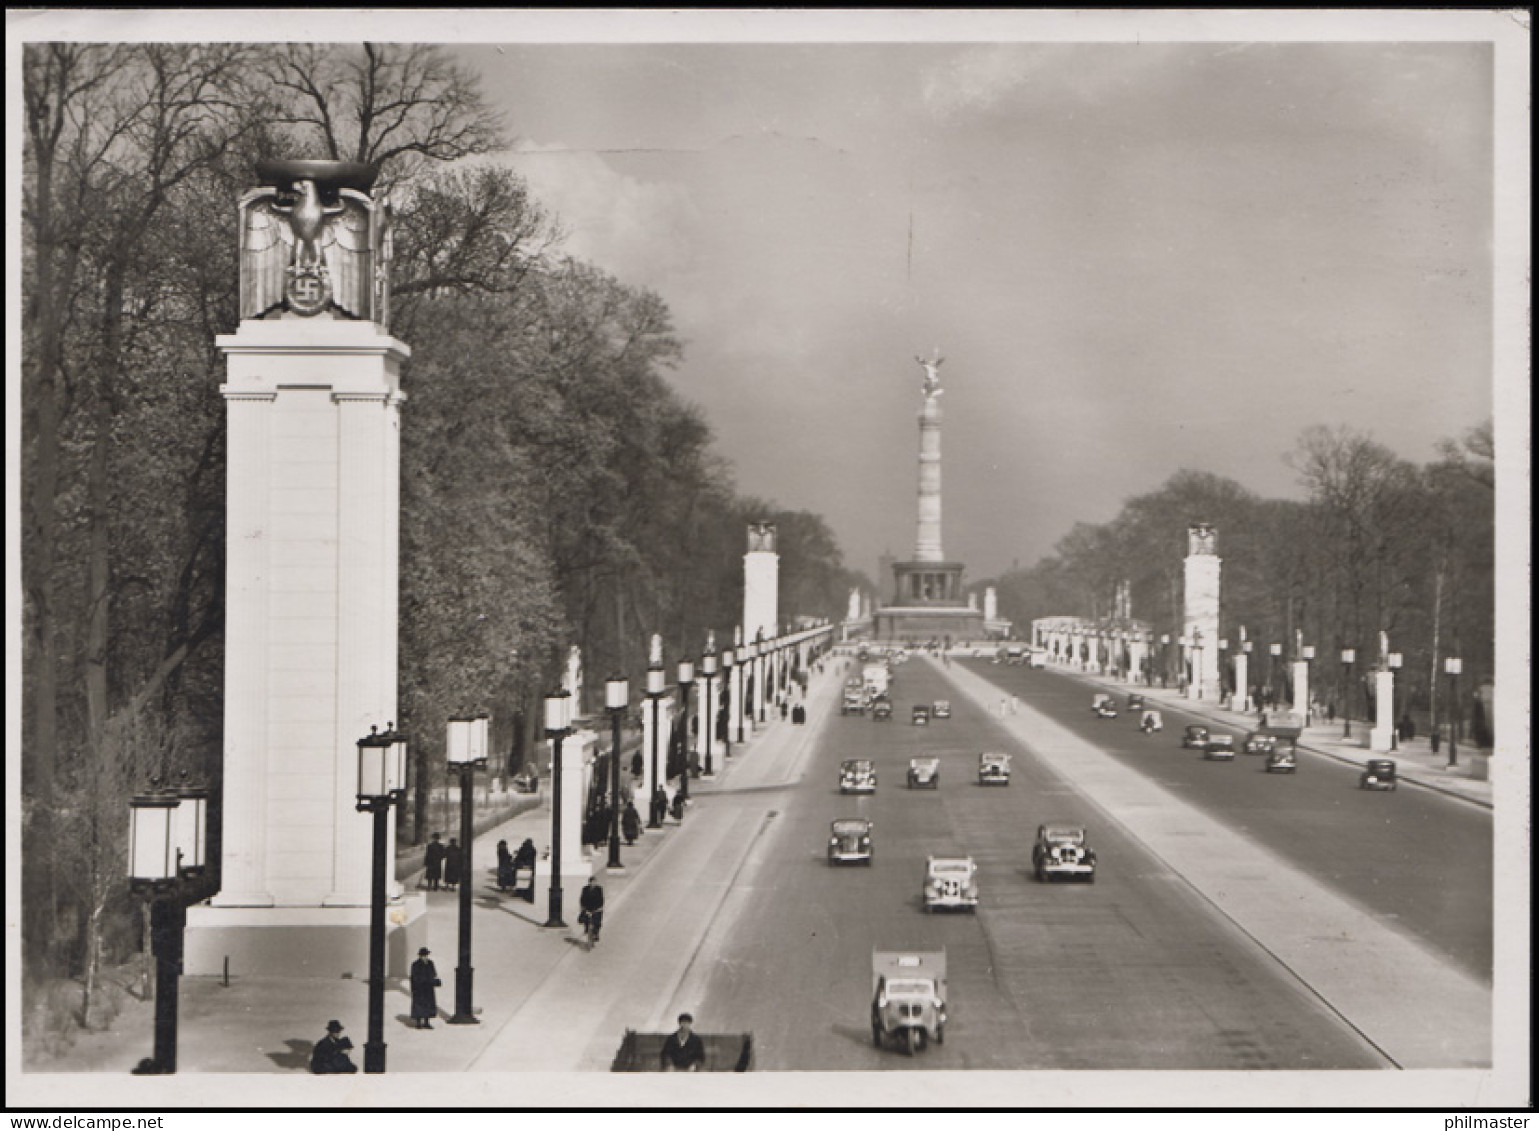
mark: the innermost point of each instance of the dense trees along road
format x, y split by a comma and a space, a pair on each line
1135, 971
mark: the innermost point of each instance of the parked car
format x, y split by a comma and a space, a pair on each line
1219, 747
1258, 743
950, 882
924, 773
881, 711
908, 998
857, 775
1195, 737
1061, 854
1379, 774
941, 710
920, 715
993, 769
849, 840
1282, 760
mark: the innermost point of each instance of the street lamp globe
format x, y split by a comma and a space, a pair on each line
617, 692
191, 829
558, 713
375, 769
657, 680
152, 840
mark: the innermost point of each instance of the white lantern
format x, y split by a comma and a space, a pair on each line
617, 691
374, 767
151, 839
191, 829
657, 680
558, 713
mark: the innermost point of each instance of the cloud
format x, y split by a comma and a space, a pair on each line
634, 229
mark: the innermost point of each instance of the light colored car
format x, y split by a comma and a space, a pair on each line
1282, 760
1061, 854
908, 999
924, 773
849, 841
950, 882
1219, 748
1258, 743
857, 775
993, 769
942, 709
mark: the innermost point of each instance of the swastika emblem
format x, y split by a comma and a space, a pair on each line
309, 290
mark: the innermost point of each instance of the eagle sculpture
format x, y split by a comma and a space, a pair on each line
309, 246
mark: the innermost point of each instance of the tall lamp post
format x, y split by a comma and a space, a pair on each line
467, 754
1348, 658
707, 711
731, 684
765, 664
381, 783
1453, 666
558, 724
747, 684
166, 844
1395, 661
686, 681
657, 682
617, 692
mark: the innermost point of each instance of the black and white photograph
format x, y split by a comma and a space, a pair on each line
909, 559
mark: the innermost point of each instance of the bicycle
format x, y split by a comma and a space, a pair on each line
592, 922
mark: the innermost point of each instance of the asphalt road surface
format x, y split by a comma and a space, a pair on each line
1135, 971
1416, 858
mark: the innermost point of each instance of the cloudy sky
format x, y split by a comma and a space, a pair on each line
1134, 257
1142, 241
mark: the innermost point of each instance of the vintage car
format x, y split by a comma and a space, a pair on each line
857, 775
881, 711
1195, 737
950, 881
849, 839
854, 702
1061, 854
1106, 708
1282, 760
1098, 700
993, 769
924, 773
1219, 747
1135, 702
1258, 743
920, 715
1150, 721
941, 710
1378, 774
908, 998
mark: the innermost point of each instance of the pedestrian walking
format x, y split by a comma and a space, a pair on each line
523, 859
454, 864
435, 862
330, 1053
424, 981
505, 878
592, 904
630, 823
659, 809
683, 1051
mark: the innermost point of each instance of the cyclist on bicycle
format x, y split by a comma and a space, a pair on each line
592, 902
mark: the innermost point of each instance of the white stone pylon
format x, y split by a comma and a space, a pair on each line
1381, 738
1242, 681
1301, 689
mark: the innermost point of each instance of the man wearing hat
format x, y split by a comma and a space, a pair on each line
683, 1051
330, 1053
424, 980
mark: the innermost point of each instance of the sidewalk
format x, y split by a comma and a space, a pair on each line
268, 1024
1414, 760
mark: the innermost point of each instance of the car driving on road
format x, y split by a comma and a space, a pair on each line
1282, 760
950, 882
881, 711
993, 769
942, 709
849, 841
1194, 737
920, 715
1061, 854
1219, 747
857, 775
924, 773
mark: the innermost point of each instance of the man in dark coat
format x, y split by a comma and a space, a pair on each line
523, 859
683, 1051
424, 980
454, 864
630, 823
435, 862
330, 1053
592, 902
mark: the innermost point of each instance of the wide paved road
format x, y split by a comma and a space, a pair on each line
1136, 971
1416, 858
